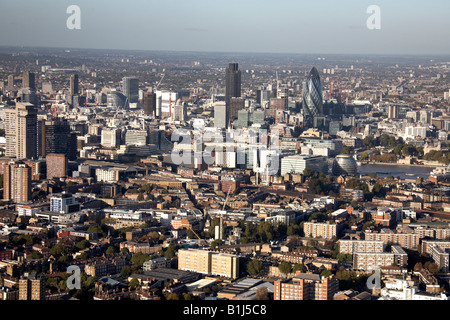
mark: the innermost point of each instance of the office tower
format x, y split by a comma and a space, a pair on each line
55, 137
130, 88
179, 111
262, 96
29, 81
344, 164
312, 95
57, 165
26, 131
136, 137
16, 182
64, 203
11, 81
165, 102
393, 111
150, 104
32, 287
258, 116
233, 82
298, 163
236, 104
21, 131
110, 138
243, 119
74, 84
221, 116
117, 100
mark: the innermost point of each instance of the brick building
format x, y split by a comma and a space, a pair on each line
306, 287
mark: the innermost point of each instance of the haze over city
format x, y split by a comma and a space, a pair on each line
287, 26
246, 153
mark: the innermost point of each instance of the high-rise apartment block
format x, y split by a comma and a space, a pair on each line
372, 260
57, 166
388, 236
16, 182
21, 131
74, 84
353, 246
324, 230
208, 262
306, 286
32, 287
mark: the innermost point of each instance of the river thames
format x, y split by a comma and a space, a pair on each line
402, 171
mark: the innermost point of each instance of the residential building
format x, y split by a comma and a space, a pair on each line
306, 286
208, 262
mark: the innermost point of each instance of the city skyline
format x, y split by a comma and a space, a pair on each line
202, 26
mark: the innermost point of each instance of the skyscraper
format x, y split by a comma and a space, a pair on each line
74, 84
130, 88
236, 104
233, 82
312, 95
16, 182
221, 115
29, 81
21, 131
56, 137
150, 104
393, 111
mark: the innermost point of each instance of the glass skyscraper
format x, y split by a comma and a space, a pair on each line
312, 95
131, 89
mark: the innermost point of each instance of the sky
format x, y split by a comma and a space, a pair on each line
267, 26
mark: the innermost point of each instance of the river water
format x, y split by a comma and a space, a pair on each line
404, 172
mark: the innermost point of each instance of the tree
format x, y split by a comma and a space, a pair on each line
83, 256
308, 173
83, 244
216, 243
110, 251
134, 283
326, 273
285, 267
364, 156
254, 267
418, 266
139, 258
170, 251
35, 255
262, 293
378, 190
433, 267
172, 296
368, 142
299, 267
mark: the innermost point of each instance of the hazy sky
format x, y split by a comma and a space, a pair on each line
285, 26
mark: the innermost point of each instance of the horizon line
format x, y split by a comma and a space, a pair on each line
232, 52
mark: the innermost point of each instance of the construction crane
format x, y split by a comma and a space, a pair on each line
190, 228
156, 88
221, 218
330, 91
